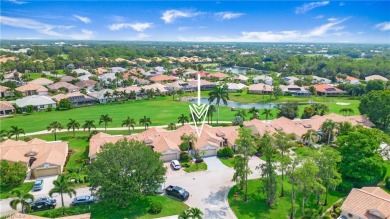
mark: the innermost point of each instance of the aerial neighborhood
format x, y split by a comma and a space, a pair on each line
184, 130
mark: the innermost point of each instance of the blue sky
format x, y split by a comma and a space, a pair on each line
215, 21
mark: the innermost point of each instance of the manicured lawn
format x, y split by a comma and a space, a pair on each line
25, 187
227, 161
304, 152
161, 110
192, 168
35, 75
257, 208
137, 209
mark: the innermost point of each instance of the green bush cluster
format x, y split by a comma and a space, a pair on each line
184, 157
155, 207
225, 152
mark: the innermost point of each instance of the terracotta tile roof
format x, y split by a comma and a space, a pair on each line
160, 78
3, 88
59, 97
326, 88
260, 87
162, 139
46, 152
194, 83
42, 81
66, 85
67, 78
363, 202
219, 75
4, 105
30, 86
86, 83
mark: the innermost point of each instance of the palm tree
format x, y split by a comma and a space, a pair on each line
173, 92
172, 126
105, 119
195, 213
62, 186
132, 95
185, 215
73, 124
129, 122
15, 131
219, 93
3, 134
182, 119
241, 113
310, 136
145, 121
254, 112
328, 128
107, 95
188, 139
210, 113
267, 113
150, 93
88, 125
54, 126
21, 198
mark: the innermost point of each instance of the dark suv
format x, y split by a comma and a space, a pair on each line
81, 200
43, 204
177, 192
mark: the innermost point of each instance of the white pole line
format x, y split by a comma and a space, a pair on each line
198, 88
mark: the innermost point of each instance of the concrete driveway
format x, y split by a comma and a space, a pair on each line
47, 186
208, 189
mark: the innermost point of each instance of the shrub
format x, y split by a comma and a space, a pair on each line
12, 174
183, 147
225, 152
388, 182
155, 207
326, 217
184, 157
198, 160
345, 187
49, 109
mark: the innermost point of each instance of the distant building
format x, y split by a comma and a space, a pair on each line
70, 87
263, 79
33, 89
348, 79
260, 88
5, 92
290, 80
6, 108
328, 90
42, 81
39, 102
101, 97
375, 77
78, 99
320, 80
234, 87
294, 90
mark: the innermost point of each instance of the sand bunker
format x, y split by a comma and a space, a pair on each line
343, 104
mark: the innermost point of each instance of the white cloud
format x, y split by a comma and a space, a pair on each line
319, 17
86, 20
46, 29
227, 15
183, 28
118, 18
135, 26
139, 36
385, 26
170, 16
309, 6
279, 36
17, 2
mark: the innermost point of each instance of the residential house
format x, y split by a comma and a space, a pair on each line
67, 79
39, 102
366, 203
290, 80
130, 89
160, 69
190, 73
156, 86
260, 88
107, 77
78, 99
375, 77
5, 92
6, 108
30, 216
177, 85
101, 71
328, 90
42, 81
101, 96
87, 84
70, 87
320, 80
40, 157
241, 78
117, 70
168, 142
263, 79
204, 85
162, 79
140, 81
150, 73
348, 79
234, 87
81, 72
33, 89
294, 90
301, 126
218, 76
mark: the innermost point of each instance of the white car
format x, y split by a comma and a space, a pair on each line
175, 165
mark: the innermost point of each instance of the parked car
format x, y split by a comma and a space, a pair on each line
44, 203
82, 200
177, 192
38, 185
175, 164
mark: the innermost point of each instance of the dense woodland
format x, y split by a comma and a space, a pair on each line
325, 60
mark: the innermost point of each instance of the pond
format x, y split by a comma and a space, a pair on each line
204, 100
235, 70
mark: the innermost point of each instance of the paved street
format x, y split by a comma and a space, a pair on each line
208, 189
